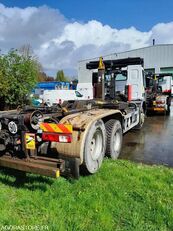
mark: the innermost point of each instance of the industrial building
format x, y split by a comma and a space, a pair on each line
157, 58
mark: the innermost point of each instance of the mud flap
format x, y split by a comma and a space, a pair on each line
72, 168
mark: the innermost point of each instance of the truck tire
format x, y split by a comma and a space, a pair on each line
114, 138
168, 106
95, 146
168, 110
141, 120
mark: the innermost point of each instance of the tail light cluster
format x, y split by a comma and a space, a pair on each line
159, 102
55, 137
167, 91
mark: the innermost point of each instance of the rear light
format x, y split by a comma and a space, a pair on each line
64, 139
160, 102
167, 91
55, 137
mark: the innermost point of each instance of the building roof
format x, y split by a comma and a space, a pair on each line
155, 57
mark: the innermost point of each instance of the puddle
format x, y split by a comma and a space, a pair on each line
153, 144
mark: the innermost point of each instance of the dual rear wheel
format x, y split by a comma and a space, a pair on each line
102, 138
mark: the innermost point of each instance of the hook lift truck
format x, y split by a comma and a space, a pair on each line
80, 133
158, 92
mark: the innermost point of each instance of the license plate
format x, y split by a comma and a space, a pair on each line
30, 141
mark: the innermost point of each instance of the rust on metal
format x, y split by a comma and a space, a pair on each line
82, 122
34, 166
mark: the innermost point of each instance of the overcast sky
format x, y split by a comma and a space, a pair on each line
60, 40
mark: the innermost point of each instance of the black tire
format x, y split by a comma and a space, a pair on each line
168, 101
168, 110
114, 138
141, 120
95, 146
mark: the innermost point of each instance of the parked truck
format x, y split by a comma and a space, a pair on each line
75, 136
158, 92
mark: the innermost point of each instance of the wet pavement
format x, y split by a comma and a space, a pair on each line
153, 144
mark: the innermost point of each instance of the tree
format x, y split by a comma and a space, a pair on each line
26, 50
61, 77
4, 86
18, 76
42, 77
50, 79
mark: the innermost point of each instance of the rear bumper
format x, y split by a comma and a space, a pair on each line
43, 166
159, 109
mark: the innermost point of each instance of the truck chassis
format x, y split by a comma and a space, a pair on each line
95, 129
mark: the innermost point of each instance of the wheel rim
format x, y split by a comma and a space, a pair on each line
96, 144
116, 142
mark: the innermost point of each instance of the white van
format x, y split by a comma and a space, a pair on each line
86, 89
51, 97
